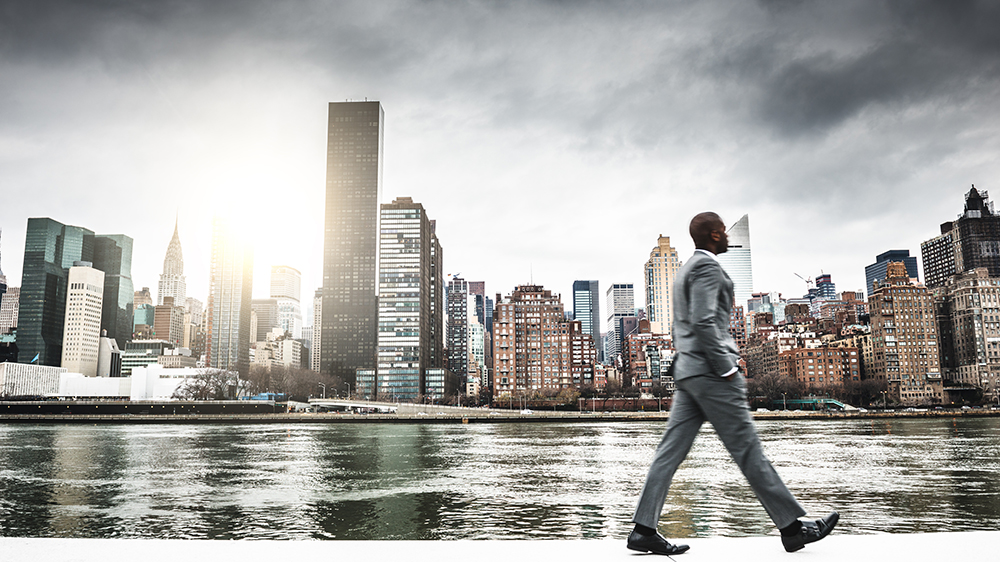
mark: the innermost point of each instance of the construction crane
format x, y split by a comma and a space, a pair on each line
809, 282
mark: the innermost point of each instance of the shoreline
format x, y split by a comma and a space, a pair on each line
493, 417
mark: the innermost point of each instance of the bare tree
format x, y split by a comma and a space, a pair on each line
210, 384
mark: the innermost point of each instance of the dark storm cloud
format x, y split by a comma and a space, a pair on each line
918, 52
775, 107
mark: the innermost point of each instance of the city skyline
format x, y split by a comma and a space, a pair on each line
835, 148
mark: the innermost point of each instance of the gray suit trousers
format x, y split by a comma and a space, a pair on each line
721, 401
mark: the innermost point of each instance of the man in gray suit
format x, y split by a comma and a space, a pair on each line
710, 387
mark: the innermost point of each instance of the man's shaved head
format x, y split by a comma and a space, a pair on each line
701, 228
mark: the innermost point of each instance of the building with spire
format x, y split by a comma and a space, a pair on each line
737, 261
172, 282
969, 242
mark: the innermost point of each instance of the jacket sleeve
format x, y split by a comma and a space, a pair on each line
704, 284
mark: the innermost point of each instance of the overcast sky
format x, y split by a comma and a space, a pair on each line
551, 141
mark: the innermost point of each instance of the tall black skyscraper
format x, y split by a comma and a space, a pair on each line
113, 256
50, 248
348, 328
458, 326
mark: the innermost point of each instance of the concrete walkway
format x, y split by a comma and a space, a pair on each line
971, 546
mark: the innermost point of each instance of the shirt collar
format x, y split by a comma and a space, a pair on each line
707, 253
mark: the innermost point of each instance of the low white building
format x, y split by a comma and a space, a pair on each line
21, 379
153, 382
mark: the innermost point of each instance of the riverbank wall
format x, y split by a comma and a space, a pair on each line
445, 418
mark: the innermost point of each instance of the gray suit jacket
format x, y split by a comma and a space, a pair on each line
703, 299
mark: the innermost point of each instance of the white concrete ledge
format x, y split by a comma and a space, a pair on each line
973, 546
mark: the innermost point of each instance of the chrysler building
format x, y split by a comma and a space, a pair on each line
172, 282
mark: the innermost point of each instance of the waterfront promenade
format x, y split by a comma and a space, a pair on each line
976, 545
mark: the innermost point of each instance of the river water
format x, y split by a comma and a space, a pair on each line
480, 481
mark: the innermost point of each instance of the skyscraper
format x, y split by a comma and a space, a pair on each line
172, 280
438, 313
970, 241
286, 286
50, 248
457, 337
113, 256
587, 310
82, 319
620, 299
228, 337
876, 271
3, 283
315, 360
265, 311
350, 250
661, 269
737, 263
405, 321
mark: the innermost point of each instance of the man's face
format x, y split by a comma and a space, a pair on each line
721, 239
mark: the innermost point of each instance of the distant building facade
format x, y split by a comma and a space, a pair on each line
141, 297
286, 288
8, 309
228, 337
660, 272
876, 271
904, 338
737, 261
534, 345
265, 313
113, 256
620, 301
587, 310
168, 322
406, 326
82, 320
968, 319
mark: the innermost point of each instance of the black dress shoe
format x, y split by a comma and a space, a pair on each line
654, 543
812, 531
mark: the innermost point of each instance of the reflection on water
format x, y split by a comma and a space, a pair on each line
479, 481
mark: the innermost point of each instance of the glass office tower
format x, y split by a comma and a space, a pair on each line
50, 248
113, 256
348, 328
